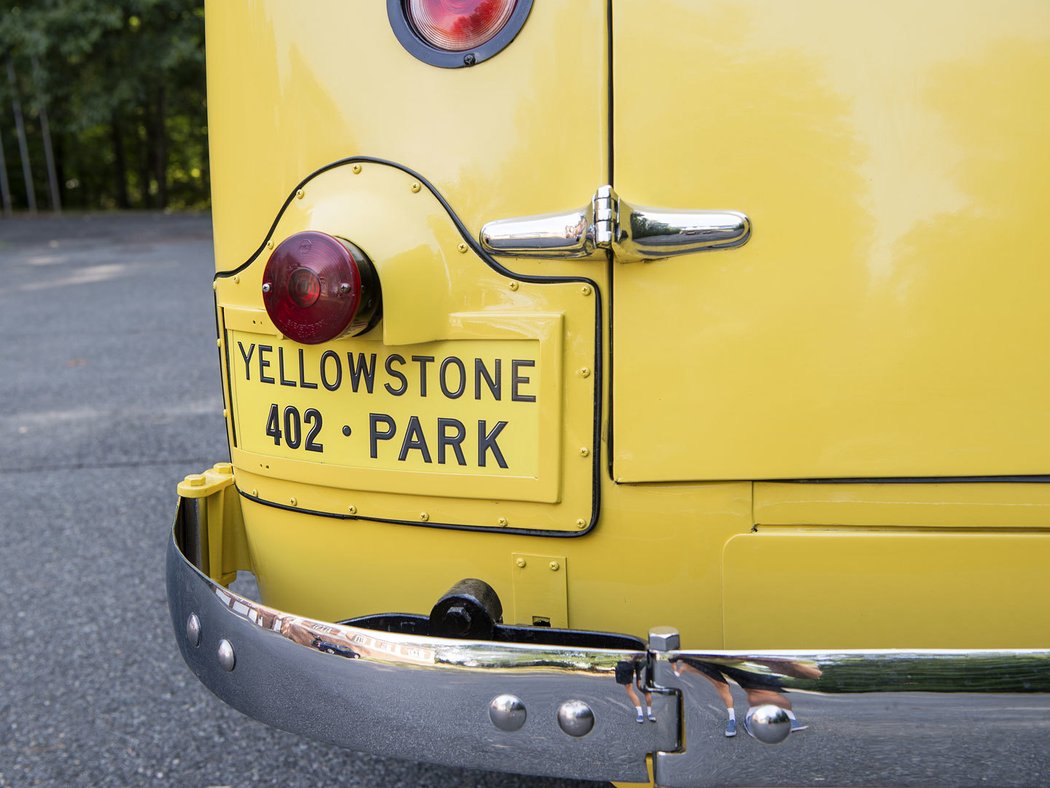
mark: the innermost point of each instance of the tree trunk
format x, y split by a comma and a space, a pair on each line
5, 189
145, 126
160, 147
120, 162
20, 129
45, 131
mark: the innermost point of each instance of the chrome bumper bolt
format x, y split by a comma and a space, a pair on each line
507, 712
575, 718
768, 723
193, 630
227, 659
664, 639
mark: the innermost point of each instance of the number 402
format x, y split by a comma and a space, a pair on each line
293, 427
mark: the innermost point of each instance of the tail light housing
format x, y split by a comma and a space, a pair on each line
317, 287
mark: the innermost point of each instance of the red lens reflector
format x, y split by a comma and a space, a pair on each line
458, 25
304, 287
317, 287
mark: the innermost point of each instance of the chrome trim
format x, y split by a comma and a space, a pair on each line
652, 233
860, 718
632, 233
553, 236
454, 702
856, 717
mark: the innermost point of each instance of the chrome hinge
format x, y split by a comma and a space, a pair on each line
631, 233
606, 209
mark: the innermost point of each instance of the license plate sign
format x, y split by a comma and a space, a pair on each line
470, 409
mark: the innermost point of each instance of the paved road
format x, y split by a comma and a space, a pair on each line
109, 393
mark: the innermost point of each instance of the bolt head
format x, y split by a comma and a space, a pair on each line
267, 287
227, 659
356, 168
299, 194
507, 712
415, 186
193, 630
457, 620
768, 723
575, 718
555, 566
521, 563
664, 639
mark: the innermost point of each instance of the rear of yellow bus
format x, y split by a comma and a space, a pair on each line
536, 478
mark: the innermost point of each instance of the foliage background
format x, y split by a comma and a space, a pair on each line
121, 83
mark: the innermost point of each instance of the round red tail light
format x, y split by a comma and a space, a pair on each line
317, 287
458, 25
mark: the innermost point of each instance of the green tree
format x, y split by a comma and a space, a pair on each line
123, 81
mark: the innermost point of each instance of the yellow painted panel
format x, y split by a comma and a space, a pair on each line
886, 590
888, 316
539, 590
984, 505
440, 300
294, 86
655, 558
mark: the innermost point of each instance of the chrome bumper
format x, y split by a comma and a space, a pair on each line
872, 718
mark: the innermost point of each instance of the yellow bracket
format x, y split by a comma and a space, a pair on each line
540, 590
220, 520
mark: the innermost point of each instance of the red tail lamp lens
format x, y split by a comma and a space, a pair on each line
458, 25
317, 287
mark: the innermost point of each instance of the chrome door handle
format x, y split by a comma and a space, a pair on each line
632, 233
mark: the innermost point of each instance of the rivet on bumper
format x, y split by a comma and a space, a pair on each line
227, 659
507, 712
768, 723
193, 630
575, 718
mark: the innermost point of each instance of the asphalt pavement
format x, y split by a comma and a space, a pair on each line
109, 395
